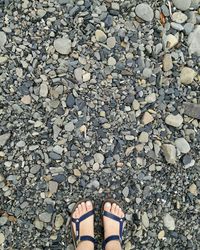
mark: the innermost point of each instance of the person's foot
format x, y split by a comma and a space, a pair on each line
87, 225
111, 227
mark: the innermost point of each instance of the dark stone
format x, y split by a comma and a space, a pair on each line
54, 156
186, 159
192, 110
70, 101
108, 21
59, 178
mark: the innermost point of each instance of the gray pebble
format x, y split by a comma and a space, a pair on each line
144, 11
45, 217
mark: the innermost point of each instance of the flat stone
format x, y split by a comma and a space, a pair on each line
2, 238
3, 59
70, 101
111, 61
53, 187
54, 156
147, 118
35, 169
169, 152
3, 220
174, 120
99, 158
45, 217
111, 42
125, 192
145, 12
182, 4
193, 41
171, 41
188, 28
86, 77
177, 26
144, 137
63, 45
38, 224
135, 105
167, 62
193, 189
147, 72
4, 138
169, 222
182, 145
192, 110
43, 90
145, 220
115, 6
59, 221
78, 73
161, 234
187, 75
41, 13
69, 127
26, 99
71, 179
179, 17
3, 38
100, 36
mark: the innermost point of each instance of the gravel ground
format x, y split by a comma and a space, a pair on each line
100, 98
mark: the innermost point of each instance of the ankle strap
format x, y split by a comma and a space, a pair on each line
110, 238
87, 238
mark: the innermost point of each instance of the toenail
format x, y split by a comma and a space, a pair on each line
89, 203
108, 204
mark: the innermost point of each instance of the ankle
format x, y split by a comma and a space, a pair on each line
113, 245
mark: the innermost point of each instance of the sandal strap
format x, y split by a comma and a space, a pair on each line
110, 238
88, 238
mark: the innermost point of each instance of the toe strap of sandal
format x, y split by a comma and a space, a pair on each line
110, 238
87, 238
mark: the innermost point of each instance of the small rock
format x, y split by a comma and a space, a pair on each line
169, 152
188, 27
145, 12
192, 110
2, 238
63, 45
145, 220
128, 246
167, 62
78, 73
111, 61
3, 220
93, 184
45, 217
3, 38
53, 187
71, 179
3, 59
125, 192
177, 26
187, 75
69, 127
135, 105
150, 98
111, 42
59, 221
100, 36
35, 169
26, 99
115, 6
161, 235
193, 41
174, 120
38, 224
99, 158
70, 101
169, 222
4, 138
182, 4
144, 137
171, 41
86, 77
182, 145
41, 13
193, 189
147, 118
43, 90
179, 17
147, 72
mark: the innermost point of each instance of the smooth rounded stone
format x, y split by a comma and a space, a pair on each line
41, 13
167, 62
144, 137
182, 145
147, 72
169, 222
174, 120
147, 118
45, 217
70, 101
145, 12
128, 246
195, 4
3, 38
100, 36
86, 77
63, 45
179, 17
53, 187
135, 105
3, 220
193, 41
69, 127
43, 90
188, 28
187, 75
145, 220
35, 169
59, 221
58, 149
111, 42
21, 144
177, 26
99, 158
111, 61
125, 192
3, 59
171, 41
161, 234
38, 224
115, 6
54, 156
2, 238
193, 189
26, 99
169, 152
78, 73
4, 138
93, 184
151, 98
71, 179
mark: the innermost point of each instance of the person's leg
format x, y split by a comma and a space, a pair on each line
111, 227
86, 226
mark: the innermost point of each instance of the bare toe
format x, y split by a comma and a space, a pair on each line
107, 206
80, 209
113, 208
89, 205
83, 207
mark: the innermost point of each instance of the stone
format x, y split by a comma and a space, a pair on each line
59, 221
182, 4
171, 41
111, 61
192, 110
169, 222
195, 4
86, 77
99, 158
174, 120
161, 234
3, 59
3, 39
179, 17
100, 36
193, 41
147, 72
188, 28
177, 26
187, 75
3, 220
53, 187
45, 217
69, 127
125, 192
78, 73
4, 138
151, 98
2, 238
135, 105
70, 101
147, 118
128, 246
144, 137
43, 90
145, 220
41, 13
38, 224
145, 12
111, 42
115, 6
26, 99
169, 152
167, 62
71, 179
193, 189
182, 145
35, 169
63, 45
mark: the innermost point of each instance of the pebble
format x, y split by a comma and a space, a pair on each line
187, 75
41, 13
53, 187
161, 234
115, 6
63, 45
182, 145
43, 90
111, 61
169, 152
128, 246
188, 28
45, 217
145, 220
69, 127
147, 118
182, 4
193, 189
35, 169
78, 73
70, 101
3, 220
135, 105
171, 41
193, 41
71, 179
174, 120
3, 59
192, 110
179, 17
144, 137
144, 11
4, 138
125, 192
99, 158
169, 222
38, 224
59, 221
167, 62
3, 39
100, 36
2, 238
26, 99
177, 26
86, 77
111, 42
